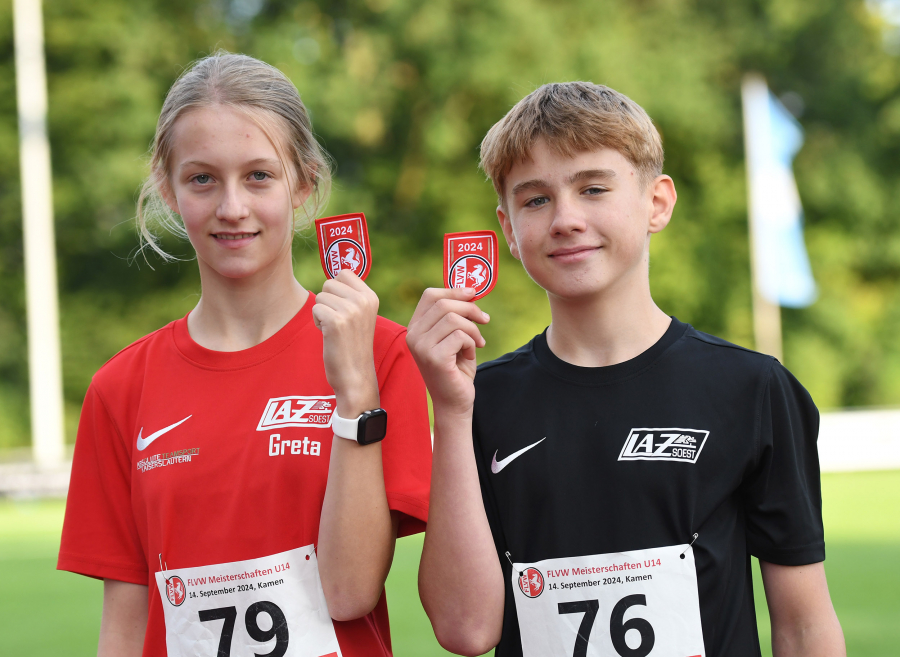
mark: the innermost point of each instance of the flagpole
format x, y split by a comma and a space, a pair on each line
41, 296
766, 315
766, 324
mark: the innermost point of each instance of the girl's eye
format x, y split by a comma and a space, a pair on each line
202, 179
259, 176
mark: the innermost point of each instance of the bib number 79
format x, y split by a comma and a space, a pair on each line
278, 631
618, 626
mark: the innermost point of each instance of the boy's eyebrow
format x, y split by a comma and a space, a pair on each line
592, 173
529, 184
537, 183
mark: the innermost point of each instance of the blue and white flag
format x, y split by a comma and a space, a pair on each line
773, 137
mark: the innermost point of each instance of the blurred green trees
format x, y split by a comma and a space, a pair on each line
401, 93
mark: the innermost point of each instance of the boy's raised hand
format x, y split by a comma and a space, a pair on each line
442, 336
466, 613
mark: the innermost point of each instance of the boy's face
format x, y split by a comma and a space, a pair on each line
581, 225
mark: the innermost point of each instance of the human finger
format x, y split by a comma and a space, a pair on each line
335, 301
454, 346
321, 314
351, 287
433, 294
453, 322
443, 307
348, 278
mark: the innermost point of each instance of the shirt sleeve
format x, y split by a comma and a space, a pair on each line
406, 449
782, 495
99, 537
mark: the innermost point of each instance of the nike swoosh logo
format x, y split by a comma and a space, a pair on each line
143, 443
497, 466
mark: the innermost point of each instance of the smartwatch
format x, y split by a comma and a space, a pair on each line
368, 428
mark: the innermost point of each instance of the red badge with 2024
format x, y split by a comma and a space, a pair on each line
344, 244
470, 260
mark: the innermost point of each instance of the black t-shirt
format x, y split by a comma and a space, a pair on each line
743, 474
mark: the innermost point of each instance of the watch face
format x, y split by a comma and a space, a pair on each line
375, 426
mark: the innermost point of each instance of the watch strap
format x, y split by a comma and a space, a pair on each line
344, 428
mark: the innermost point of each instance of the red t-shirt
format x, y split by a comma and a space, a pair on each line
234, 480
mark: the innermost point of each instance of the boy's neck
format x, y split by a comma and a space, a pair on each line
608, 329
237, 314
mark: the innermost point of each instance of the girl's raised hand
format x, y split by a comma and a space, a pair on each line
442, 337
345, 312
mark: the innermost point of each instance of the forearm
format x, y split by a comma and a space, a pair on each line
124, 620
466, 612
804, 623
809, 640
356, 533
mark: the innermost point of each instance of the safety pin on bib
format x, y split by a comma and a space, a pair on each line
509, 558
689, 545
164, 570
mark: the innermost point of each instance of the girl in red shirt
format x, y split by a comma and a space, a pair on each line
208, 490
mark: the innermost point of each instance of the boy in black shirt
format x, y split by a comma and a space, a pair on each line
600, 490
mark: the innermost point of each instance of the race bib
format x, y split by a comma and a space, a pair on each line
470, 260
344, 244
631, 604
272, 606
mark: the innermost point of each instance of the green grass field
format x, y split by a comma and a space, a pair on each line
48, 613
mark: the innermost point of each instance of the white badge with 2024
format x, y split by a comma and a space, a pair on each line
641, 603
271, 606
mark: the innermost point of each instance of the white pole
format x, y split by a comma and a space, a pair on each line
766, 315
44, 369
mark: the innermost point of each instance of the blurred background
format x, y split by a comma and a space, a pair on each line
401, 93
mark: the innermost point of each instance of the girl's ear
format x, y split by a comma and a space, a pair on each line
301, 190
165, 190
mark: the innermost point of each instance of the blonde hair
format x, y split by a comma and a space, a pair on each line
573, 117
266, 96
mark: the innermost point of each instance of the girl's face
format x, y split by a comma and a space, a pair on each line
227, 183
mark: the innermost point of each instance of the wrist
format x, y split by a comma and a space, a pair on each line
450, 414
357, 398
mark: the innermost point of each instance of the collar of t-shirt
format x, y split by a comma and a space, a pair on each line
595, 376
232, 360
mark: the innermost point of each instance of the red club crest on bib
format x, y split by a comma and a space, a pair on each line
531, 582
175, 591
470, 260
344, 244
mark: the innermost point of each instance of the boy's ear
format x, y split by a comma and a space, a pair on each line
662, 198
506, 227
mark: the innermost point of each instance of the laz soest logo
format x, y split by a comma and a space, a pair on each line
663, 445
531, 582
297, 411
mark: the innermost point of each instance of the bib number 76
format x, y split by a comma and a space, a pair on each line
278, 631
618, 626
